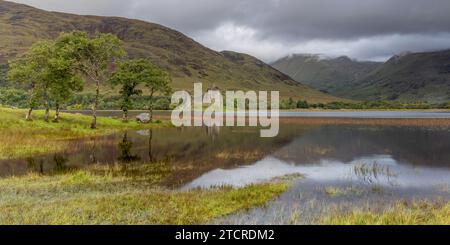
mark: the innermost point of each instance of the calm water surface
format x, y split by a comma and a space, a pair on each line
412, 156
382, 161
314, 114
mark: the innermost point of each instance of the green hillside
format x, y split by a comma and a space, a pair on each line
186, 60
409, 77
325, 74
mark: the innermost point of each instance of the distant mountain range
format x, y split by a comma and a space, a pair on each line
326, 74
409, 77
186, 60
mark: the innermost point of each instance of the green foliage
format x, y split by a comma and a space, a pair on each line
33, 71
47, 72
155, 79
131, 74
288, 104
19, 98
92, 57
377, 105
302, 104
51, 72
64, 81
134, 72
3, 75
14, 97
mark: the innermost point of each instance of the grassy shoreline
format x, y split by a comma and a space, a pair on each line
21, 138
121, 194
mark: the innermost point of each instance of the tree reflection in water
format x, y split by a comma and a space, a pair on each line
125, 150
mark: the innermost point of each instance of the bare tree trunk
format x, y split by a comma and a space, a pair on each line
30, 102
93, 156
47, 111
29, 117
41, 167
125, 116
151, 113
56, 119
150, 108
150, 139
94, 107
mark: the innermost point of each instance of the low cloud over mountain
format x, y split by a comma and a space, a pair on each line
270, 29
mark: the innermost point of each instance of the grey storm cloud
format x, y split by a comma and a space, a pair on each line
269, 29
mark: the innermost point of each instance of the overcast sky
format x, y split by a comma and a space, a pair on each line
270, 29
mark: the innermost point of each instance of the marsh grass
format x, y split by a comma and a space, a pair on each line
372, 173
333, 191
290, 177
444, 188
120, 194
401, 213
20, 138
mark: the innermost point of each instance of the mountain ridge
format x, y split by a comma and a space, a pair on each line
406, 77
413, 76
324, 73
185, 59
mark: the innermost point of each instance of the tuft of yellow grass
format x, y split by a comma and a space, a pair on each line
401, 213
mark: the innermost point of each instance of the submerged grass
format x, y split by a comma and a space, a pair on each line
333, 191
21, 138
115, 195
402, 213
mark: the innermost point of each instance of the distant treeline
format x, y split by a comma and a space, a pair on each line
19, 98
3, 75
302, 104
